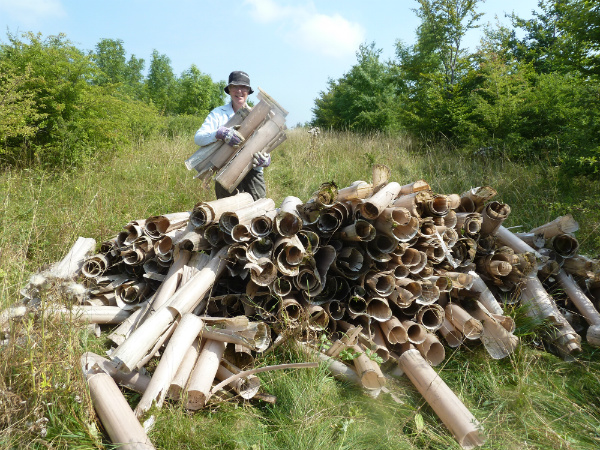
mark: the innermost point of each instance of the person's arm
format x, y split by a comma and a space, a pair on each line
207, 134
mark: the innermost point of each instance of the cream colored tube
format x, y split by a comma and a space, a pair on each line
583, 305
115, 414
204, 374
564, 224
471, 328
133, 349
182, 338
451, 411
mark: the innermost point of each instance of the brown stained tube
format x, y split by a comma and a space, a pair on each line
357, 305
412, 286
379, 309
188, 297
564, 245
480, 196
415, 331
115, 414
453, 201
430, 292
290, 312
157, 226
469, 224
394, 331
498, 341
261, 226
506, 237
201, 158
95, 265
244, 216
360, 230
263, 272
182, 338
493, 215
381, 283
561, 225
432, 350
309, 240
357, 190
131, 380
536, 241
581, 266
471, 328
180, 380
392, 217
431, 317
416, 186
437, 206
380, 346
373, 206
499, 268
271, 131
259, 248
583, 305
399, 271
486, 296
413, 201
92, 314
317, 317
282, 286
204, 374
368, 370
241, 233
451, 411
427, 228
288, 221
246, 387
206, 213
453, 337
335, 309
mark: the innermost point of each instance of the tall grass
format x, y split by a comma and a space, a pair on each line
531, 399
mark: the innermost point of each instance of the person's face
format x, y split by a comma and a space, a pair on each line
239, 95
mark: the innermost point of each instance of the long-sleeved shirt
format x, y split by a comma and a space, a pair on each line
207, 134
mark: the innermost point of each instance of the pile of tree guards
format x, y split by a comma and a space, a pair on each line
389, 274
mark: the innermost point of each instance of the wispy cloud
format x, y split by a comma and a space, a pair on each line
31, 11
302, 25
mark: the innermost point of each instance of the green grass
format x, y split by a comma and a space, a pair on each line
531, 399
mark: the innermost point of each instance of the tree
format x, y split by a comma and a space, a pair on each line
196, 93
432, 69
161, 83
361, 100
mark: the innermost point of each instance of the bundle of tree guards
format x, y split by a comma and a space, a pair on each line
390, 274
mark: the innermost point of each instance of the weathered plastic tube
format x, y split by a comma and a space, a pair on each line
561, 225
182, 338
116, 416
583, 305
204, 374
451, 411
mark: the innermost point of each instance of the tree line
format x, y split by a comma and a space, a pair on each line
530, 91
60, 106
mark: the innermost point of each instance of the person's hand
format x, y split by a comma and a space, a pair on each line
261, 159
230, 136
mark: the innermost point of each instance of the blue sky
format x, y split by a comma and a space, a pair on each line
290, 48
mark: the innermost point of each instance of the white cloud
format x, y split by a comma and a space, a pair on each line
331, 35
29, 11
302, 25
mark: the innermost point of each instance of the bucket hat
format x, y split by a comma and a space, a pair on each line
238, 78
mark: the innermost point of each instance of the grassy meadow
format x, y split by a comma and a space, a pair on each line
530, 400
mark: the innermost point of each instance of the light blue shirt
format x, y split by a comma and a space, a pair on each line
207, 134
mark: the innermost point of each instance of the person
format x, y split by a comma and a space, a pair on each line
214, 129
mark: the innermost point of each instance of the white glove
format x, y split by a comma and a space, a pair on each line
261, 159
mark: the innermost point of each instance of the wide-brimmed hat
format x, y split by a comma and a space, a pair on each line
238, 78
